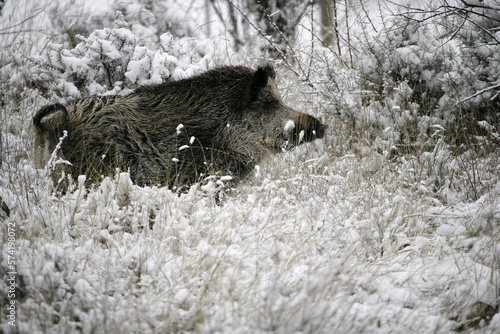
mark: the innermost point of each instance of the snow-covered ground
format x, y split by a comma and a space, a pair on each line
338, 236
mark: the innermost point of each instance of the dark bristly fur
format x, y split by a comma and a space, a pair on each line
234, 113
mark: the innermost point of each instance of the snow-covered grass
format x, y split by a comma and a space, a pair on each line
341, 235
319, 243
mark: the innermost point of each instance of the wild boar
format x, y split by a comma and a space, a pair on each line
224, 120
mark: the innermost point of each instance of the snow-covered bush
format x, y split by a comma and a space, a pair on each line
78, 60
428, 67
473, 82
401, 72
405, 52
112, 61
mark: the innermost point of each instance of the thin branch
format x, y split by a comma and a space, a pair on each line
453, 33
482, 28
329, 47
233, 30
367, 16
472, 12
443, 10
312, 46
336, 27
448, 10
348, 34
482, 91
273, 45
5, 31
476, 5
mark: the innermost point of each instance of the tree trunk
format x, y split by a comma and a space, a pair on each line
327, 31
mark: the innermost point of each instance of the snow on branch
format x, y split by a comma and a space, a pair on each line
482, 91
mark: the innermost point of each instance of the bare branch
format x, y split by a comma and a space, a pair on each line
329, 47
348, 34
336, 26
276, 48
476, 5
367, 16
479, 93
7, 30
233, 30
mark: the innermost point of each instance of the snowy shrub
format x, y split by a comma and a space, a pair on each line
147, 20
480, 44
447, 63
111, 61
401, 71
406, 52
473, 82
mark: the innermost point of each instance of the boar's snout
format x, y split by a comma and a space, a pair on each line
320, 130
303, 128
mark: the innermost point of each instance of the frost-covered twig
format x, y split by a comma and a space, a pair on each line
482, 91
51, 164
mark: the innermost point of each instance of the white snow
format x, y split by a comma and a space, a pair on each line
179, 128
332, 237
289, 126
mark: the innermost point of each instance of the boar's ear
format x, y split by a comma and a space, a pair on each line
260, 79
51, 117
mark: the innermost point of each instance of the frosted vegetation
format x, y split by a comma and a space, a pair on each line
391, 224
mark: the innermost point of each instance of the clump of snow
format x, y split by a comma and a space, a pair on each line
289, 126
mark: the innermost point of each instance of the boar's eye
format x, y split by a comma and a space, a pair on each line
271, 103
